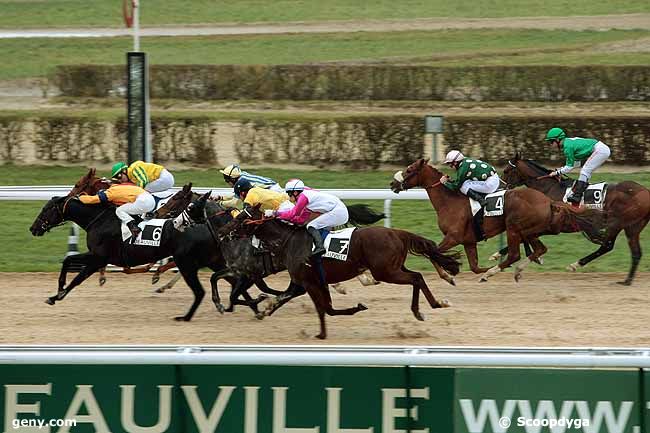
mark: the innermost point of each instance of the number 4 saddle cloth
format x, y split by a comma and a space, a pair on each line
594, 196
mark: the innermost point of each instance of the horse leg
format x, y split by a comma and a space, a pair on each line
503, 251
539, 250
606, 247
293, 291
102, 276
91, 264
514, 240
240, 288
261, 284
214, 279
632, 233
472, 258
443, 274
161, 270
190, 275
170, 284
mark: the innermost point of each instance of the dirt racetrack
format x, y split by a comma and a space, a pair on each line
545, 309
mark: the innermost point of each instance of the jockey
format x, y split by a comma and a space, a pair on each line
232, 173
334, 213
268, 200
130, 198
473, 176
146, 175
593, 153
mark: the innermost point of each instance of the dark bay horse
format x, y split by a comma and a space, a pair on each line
191, 249
628, 201
527, 215
381, 250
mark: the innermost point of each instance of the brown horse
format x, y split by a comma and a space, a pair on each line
527, 215
381, 250
628, 201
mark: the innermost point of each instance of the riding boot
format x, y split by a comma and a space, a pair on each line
319, 249
135, 230
578, 190
480, 198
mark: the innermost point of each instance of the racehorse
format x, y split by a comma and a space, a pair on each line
527, 215
628, 201
245, 259
191, 249
381, 250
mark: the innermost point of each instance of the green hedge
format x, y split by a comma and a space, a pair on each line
368, 82
358, 142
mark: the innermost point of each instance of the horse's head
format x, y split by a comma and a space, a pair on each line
419, 173
244, 224
176, 203
519, 171
52, 215
89, 184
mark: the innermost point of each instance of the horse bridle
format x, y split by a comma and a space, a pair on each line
405, 187
45, 223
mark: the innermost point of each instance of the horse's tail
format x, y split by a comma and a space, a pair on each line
593, 223
362, 215
424, 247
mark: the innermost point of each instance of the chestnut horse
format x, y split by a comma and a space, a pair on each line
381, 250
628, 201
527, 215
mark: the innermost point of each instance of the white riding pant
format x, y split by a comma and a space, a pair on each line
486, 186
163, 183
598, 157
143, 204
336, 217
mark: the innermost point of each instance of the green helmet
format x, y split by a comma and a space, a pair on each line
118, 167
555, 134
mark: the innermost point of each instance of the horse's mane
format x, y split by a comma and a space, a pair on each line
564, 182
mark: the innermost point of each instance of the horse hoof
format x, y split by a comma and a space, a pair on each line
102, 281
259, 316
573, 267
321, 336
444, 303
50, 301
494, 257
155, 279
517, 277
361, 307
419, 316
624, 283
483, 280
220, 308
539, 261
452, 281
182, 319
159, 290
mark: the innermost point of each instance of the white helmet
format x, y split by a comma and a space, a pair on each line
232, 170
453, 156
294, 185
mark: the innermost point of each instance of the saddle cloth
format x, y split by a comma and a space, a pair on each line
337, 244
494, 203
594, 196
150, 235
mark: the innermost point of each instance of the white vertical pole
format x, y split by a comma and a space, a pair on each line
387, 212
136, 25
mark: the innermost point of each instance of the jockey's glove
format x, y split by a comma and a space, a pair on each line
270, 213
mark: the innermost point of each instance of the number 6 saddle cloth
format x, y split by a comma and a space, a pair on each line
150, 235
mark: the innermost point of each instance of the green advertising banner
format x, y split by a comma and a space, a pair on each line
280, 399
228, 399
546, 400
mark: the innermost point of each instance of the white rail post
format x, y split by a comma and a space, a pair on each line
387, 204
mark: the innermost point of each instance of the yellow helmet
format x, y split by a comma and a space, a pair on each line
232, 171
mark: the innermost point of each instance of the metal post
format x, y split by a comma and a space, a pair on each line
73, 241
387, 204
136, 25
